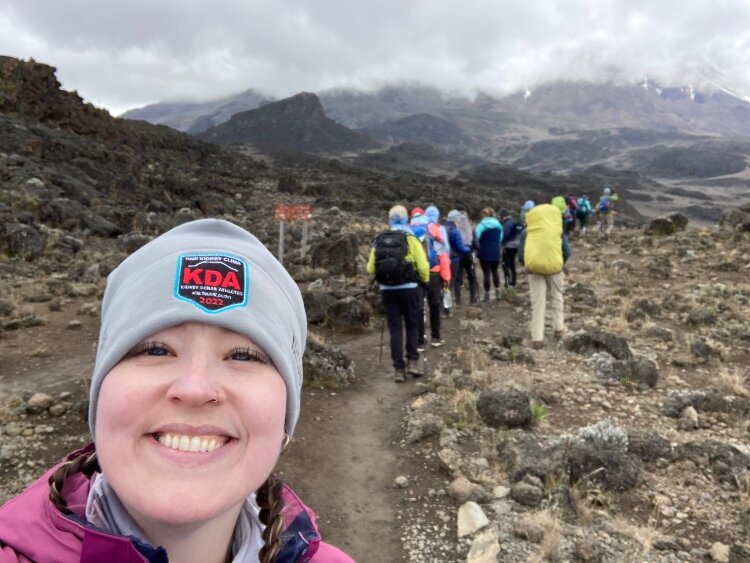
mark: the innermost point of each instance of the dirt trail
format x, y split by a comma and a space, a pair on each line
344, 458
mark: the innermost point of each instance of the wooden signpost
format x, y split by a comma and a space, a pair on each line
292, 213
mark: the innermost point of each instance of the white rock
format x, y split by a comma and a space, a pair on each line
719, 552
471, 518
500, 491
485, 548
401, 482
39, 402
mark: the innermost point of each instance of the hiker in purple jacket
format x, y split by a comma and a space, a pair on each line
195, 393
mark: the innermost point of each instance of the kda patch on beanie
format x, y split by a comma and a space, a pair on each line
213, 283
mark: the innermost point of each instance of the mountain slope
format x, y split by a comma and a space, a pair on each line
298, 122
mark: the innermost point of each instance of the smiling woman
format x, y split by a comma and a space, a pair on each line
195, 392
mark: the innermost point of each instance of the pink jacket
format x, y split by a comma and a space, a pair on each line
33, 530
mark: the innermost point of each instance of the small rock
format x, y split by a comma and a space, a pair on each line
500, 492
526, 494
471, 519
463, 490
485, 548
401, 482
75, 325
38, 402
719, 552
587, 551
688, 419
58, 410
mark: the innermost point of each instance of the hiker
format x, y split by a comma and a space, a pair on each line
398, 262
194, 394
527, 206
569, 217
489, 235
582, 213
460, 251
605, 209
543, 250
466, 261
509, 247
437, 249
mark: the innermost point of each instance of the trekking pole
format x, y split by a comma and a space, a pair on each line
382, 332
424, 334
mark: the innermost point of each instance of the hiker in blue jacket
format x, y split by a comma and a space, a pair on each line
459, 250
509, 247
489, 235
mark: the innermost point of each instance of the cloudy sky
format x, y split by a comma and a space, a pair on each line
121, 54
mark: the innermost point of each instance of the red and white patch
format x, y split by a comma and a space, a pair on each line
212, 282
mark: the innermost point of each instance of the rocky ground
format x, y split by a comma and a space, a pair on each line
627, 440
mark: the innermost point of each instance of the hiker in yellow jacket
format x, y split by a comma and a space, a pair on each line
543, 250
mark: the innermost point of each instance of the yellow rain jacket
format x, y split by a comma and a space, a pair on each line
543, 253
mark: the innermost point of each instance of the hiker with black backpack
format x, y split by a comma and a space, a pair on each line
398, 262
543, 250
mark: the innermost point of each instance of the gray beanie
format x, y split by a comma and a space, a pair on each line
206, 271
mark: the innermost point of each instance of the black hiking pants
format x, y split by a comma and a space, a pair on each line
490, 268
509, 266
434, 290
465, 264
402, 309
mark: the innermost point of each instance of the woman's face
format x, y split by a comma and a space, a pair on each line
189, 423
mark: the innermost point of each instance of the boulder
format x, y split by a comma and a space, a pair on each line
504, 409
316, 305
588, 342
23, 240
526, 494
648, 445
726, 460
327, 366
640, 370
38, 402
522, 455
336, 254
667, 225
462, 490
348, 315
611, 469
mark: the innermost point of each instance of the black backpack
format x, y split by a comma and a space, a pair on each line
391, 266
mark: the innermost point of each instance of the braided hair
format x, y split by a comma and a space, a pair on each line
85, 462
271, 504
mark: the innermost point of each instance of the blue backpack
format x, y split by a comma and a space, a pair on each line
604, 204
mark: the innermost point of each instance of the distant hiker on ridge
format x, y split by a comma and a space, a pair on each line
543, 250
398, 262
606, 210
583, 212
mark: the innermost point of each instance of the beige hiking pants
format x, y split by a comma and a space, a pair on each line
538, 287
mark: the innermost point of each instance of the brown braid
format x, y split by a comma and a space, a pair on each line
270, 502
85, 463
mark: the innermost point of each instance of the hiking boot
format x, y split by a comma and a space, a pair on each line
421, 346
537, 344
498, 294
486, 298
437, 343
412, 368
399, 375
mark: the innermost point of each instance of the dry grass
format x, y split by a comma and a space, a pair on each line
734, 381
643, 534
464, 403
549, 521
